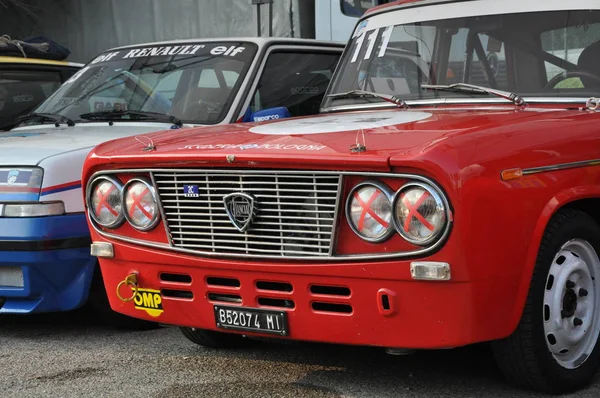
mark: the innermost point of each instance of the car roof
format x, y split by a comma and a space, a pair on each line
36, 61
261, 41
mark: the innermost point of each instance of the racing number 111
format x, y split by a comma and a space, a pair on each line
387, 34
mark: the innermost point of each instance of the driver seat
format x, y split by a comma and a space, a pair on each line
589, 61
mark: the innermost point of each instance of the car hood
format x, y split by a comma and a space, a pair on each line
28, 146
331, 140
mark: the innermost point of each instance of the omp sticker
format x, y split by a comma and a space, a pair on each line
337, 123
149, 300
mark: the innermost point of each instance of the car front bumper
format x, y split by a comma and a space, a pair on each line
346, 307
45, 264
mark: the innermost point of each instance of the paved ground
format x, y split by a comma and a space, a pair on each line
72, 356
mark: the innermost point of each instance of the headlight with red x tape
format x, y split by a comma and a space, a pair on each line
141, 207
416, 211
419, 213
105, 202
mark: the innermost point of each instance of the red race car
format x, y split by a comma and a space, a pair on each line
447, 194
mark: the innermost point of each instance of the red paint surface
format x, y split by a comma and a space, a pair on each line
497, 225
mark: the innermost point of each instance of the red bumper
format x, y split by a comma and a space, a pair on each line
335, 303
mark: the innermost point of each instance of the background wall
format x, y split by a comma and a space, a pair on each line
88, 27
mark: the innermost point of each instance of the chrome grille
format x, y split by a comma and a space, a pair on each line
295, 212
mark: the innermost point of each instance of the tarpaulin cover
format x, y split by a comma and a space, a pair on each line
33, 47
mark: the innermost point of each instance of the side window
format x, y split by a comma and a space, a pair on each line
22, 91
295, 80
568, 44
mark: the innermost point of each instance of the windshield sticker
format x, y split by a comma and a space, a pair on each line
277, 147
338, 123
220, 49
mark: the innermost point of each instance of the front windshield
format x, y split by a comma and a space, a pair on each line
535, 54
195, 82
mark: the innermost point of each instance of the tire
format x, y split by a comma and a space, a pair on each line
98, 301
212, 339
534, 356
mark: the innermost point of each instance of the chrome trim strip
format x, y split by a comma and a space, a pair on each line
561, 166
458, 101
369, 256
163, 217
336, 212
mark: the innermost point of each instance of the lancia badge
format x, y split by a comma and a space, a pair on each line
240, 210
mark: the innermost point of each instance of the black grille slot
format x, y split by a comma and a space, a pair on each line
218, 281
180, 294
275, 302
274, 286
226, 298
175, 278
330, 307
330, 290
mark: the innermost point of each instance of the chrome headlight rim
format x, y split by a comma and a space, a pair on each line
156, 218
389, 193
92, 212
440, 199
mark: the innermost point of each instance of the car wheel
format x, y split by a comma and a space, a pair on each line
212, 339
98, 301
555, 346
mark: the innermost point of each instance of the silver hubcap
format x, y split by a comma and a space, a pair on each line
571, 304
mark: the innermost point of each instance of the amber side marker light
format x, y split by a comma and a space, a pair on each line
102, 249
511, 174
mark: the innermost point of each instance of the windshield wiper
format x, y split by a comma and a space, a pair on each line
464, 87
53, 117
361, 94
112, 115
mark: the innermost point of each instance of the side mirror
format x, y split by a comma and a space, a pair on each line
280, 112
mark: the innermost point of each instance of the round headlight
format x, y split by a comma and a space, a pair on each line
104, 202
369, 211
141, 208
419, 213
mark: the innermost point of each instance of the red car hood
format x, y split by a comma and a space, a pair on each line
323, 140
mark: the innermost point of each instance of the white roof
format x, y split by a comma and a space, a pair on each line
260, 41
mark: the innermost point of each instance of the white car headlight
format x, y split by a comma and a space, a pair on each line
369, 211
141, 206
32, 209
105, 203
420, 214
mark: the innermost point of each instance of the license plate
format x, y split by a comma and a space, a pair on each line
11, 277
251, 319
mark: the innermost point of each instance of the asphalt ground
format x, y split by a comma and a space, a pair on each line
73, 355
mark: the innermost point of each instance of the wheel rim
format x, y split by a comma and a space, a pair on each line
571, 304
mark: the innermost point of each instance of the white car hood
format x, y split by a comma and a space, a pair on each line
28, 146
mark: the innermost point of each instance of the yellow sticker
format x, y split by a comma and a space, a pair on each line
149, 300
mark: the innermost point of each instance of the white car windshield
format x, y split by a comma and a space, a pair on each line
546, 54
194, 82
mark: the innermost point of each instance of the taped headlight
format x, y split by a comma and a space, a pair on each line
141, 206
369, 211
420, 213
105, 203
